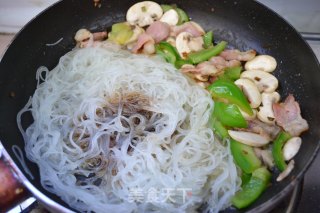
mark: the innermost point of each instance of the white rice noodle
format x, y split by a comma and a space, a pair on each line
169, 147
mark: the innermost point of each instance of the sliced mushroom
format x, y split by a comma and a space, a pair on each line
262, 62
136, 32
144, 13
82, 35
247, 116
170, 17
149, 48
265, 82
186, 43
286, 172
291, 148
249, 138
250, 89
265, 113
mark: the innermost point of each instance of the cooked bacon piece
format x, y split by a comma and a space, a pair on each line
265, 155
257, 126
189, 27
142, 40
159, 31
99, 36
237, 55
221, 63
288, 116
204, 68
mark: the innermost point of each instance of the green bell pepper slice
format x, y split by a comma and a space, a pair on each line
229, 115
231, 73
169, 52
229, 92
180, 62
245, 177
277, 152
218, 128
166, 7
244, 156
205, 54
251, 191
183, 17
208, 39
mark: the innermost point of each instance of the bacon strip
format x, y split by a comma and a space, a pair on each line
204, 68
221, 63
99, 36
288, 116
159, 31
142, 40
237, 55
270, 131
187, 27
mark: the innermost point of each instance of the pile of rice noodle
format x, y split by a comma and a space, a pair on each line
111, 127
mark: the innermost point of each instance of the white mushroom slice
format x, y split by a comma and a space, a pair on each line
144, 13
170, 17
249, 138
250, 89
186, 43
149, 48
265, 113
136, 32
247, 116
262, 62
291, 148
286, 172
82, 35
265, 82
196, 44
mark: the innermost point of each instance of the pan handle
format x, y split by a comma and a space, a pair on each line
12, 191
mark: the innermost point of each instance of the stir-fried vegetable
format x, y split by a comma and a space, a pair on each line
219, 129
245, 177
168, 52
251, 190
205, 54
277, 153
166, 7
120, 33
208, 39
231, 73
244, 156
229, 115
183, 17
227, 91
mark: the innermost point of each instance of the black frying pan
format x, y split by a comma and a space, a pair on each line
244, 24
